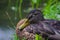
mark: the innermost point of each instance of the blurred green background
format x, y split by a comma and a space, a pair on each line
11, 11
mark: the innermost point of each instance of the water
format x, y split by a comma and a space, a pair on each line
6, 33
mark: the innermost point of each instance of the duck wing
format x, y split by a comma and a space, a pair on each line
54, 23
48, 29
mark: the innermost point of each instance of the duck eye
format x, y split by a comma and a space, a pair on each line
35, 14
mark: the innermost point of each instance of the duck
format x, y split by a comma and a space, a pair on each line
35, 23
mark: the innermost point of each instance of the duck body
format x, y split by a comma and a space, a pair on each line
46, 27
38, 28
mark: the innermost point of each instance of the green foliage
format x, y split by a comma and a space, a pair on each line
51, 10
38, 37
15, 37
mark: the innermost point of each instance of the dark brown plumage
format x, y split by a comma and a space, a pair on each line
39, 25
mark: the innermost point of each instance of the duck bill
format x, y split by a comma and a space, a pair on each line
24, 24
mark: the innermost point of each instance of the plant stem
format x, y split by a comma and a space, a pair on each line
20, 6
32, 4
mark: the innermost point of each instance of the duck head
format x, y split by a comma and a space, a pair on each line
34, 16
